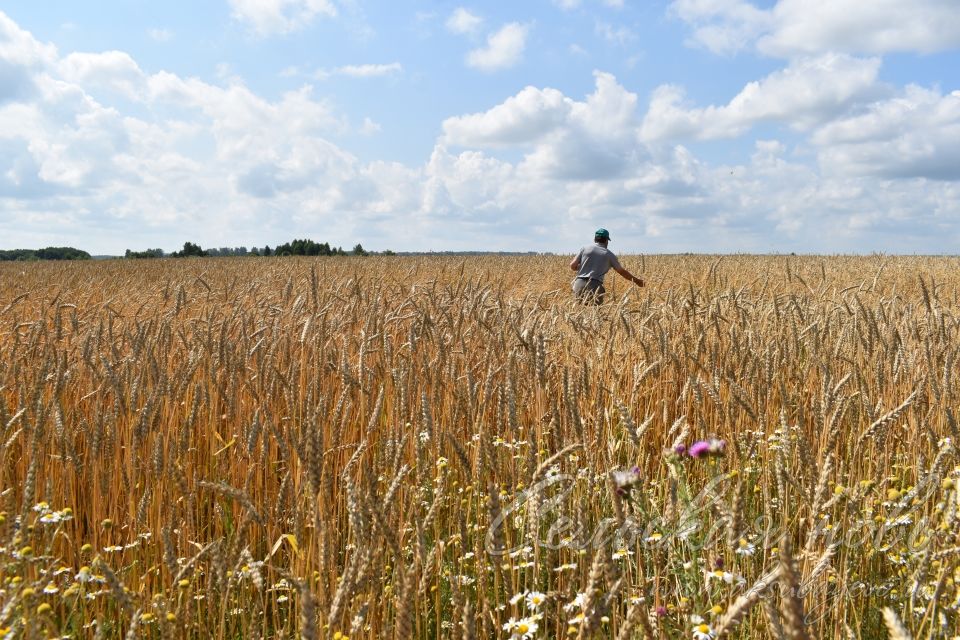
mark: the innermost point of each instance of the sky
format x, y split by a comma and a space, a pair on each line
809, 126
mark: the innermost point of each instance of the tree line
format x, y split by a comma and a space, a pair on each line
304, 247
298, 247
47, 253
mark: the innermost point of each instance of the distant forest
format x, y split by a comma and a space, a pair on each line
47, 253
295, 248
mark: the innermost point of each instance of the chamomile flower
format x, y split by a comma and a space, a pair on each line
535, 599
620, 554
576, 603
745, 548
522, 628
703, 632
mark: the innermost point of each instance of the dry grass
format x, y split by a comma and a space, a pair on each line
423, 448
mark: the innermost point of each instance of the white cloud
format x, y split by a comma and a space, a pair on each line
504, 49
369, 127
810, 27
564, 138
916, 134
618, 35
806, 93
369, 70
160, 35
269, 17
114, 70
878, 26
722, 26
462, 21
520, 120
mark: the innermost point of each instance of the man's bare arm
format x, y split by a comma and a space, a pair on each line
575, 264
629, 276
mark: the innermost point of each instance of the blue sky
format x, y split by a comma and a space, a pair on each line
682, 125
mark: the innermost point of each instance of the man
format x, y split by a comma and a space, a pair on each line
591, 264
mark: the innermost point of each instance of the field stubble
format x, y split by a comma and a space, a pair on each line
449, 448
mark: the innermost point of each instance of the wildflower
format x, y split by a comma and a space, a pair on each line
711, 447
522, 628
576, 603
745, 548
680, 449
51, 588
654, 537
661, 611
41, 507
619, 554
43, 608
51, 517
535, 599
703, 632
106, 523
625, 480
725, 576
570, 566
26, 552
147, 617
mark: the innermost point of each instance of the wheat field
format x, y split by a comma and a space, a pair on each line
444, 447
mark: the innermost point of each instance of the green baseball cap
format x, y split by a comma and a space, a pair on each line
602, 233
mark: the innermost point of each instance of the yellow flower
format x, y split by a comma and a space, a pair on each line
27, 551
43, 608
171, 616
87, 548
27, 592
146, 617
893, 494
106, 523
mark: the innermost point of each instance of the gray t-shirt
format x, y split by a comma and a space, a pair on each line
595, 261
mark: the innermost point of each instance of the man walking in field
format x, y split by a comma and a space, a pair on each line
592, 264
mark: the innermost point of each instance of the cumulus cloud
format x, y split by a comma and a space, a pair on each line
564, 138
519, 120
810, 27
916, 134
879, 26
114, 70
462, 21
271, 17
808, 92
503, 50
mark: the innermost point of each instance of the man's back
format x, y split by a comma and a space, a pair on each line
595, 261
